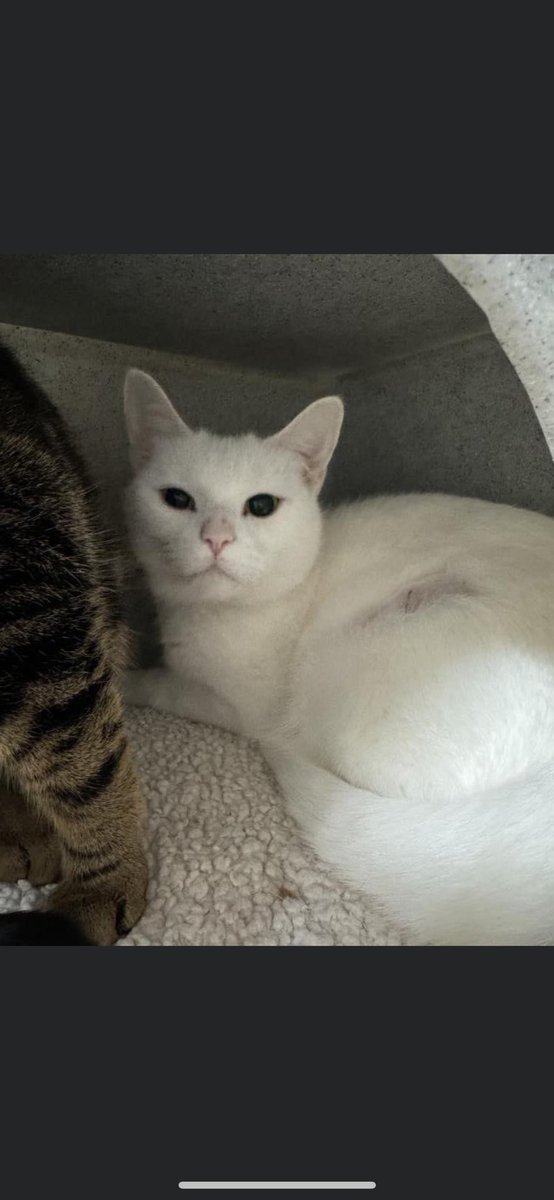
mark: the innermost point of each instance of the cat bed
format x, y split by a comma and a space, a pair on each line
516, 293
227, 865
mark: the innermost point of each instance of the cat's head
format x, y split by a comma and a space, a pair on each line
225, 518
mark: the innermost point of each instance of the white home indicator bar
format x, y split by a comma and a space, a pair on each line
335, 1186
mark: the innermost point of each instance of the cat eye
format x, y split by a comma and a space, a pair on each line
177, 498
261, 506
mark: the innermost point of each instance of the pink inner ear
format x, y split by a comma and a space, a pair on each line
313, 434
307, 468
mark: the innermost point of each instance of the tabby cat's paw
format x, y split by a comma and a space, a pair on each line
109, 911
38, 862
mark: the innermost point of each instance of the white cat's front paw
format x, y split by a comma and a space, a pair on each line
136, 688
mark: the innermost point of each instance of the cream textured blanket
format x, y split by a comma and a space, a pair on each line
227, 866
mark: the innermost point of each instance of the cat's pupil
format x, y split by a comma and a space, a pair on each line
262, 505
177, 498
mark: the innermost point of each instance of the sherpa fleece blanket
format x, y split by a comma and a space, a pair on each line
227, 865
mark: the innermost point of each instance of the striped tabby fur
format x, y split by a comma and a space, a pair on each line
70, 807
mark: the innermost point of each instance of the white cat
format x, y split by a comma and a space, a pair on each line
394, 657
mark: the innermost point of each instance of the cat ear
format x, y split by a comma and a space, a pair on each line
314, 434
148, 414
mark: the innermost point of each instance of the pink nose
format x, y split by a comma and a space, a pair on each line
217, 537
217, 544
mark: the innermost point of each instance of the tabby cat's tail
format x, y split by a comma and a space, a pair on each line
36, 928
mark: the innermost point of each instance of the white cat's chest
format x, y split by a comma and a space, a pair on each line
242, 654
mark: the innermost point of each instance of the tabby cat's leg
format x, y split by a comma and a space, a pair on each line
29, 848
103, 861
82, 782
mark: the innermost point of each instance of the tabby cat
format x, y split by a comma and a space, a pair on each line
70, 806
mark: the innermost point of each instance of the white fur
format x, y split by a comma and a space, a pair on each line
394, 657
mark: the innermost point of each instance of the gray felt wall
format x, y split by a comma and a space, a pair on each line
244, 341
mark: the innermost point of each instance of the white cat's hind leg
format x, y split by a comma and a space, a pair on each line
436, 702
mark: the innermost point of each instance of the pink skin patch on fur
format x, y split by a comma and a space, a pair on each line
420, 595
